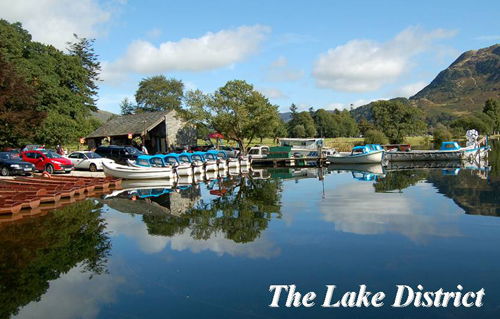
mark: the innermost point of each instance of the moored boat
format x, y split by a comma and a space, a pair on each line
359, 155
128, 172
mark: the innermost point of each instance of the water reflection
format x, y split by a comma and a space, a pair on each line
207, 232
40, 250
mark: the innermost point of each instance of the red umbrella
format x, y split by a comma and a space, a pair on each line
215, 135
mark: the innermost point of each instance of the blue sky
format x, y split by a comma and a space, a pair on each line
324, 54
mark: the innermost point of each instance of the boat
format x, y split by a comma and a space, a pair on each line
197, 165
303, 146
359, 155
210, 163
128, 172
219, 155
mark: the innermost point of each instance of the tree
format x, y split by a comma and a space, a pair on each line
479, 121
441, 134
299, 131
305, 119
18, 116
492, 109
347, 123
61, 84
397, 120
127, 107
365, 126
83, 48
235, 110
279, 130
158, 93
325, 123
375, 137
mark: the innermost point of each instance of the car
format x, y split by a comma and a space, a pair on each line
119, 154
48, 161
11, 164
32, 147
88, 160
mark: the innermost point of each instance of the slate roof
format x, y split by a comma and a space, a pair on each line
122, 125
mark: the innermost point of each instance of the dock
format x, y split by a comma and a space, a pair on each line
22, 197
290, 162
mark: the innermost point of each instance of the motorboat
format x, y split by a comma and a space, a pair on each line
129, 172
181, 167
210, 162
359, 155
221, 157
197, 165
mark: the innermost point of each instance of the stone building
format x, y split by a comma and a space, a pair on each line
161, 129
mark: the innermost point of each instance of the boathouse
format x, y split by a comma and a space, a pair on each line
159, 130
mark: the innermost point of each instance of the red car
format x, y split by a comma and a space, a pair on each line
48, 161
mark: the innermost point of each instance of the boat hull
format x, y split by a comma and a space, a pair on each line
375, 157
127, 172
416, 156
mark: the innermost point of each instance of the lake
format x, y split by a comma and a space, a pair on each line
213, 250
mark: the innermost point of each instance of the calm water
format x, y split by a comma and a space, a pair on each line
212, 250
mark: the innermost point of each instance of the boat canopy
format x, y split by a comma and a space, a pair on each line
171, 158
198, 156
363, 149
375, 147
217, 154
144, 160
450, 146
185, 157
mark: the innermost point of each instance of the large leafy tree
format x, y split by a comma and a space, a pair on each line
18, 115
304, 119
236, 110
397, 120
326, 125
61, 82
158, 93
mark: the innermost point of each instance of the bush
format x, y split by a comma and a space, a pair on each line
441, 134
375, 137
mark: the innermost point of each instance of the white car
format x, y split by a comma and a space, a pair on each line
88, 160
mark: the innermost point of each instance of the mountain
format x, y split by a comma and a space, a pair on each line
286, 116
460, 89
101, 115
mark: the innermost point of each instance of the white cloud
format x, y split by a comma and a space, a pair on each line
365, 65
82, 299
279, 71
55, 21
380, 213
488, 38
354, 104
210, 51
272, 93
410, 89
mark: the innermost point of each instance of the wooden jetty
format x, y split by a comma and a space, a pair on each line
32, 196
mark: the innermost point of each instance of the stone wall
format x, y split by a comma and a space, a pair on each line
178, 131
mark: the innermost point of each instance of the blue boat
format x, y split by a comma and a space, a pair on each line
210, 164
196, 163
220, 156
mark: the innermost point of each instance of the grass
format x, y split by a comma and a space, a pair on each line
340, 143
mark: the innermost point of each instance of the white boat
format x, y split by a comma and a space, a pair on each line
233, 163
358, 155
128, 172
303, 145
245, 161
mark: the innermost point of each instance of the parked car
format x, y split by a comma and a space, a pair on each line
32, 147
259, 151
119, 154
12, 150
48, 161
11, 164
88, 160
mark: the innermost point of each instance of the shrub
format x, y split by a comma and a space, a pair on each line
375, 137
441, 134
